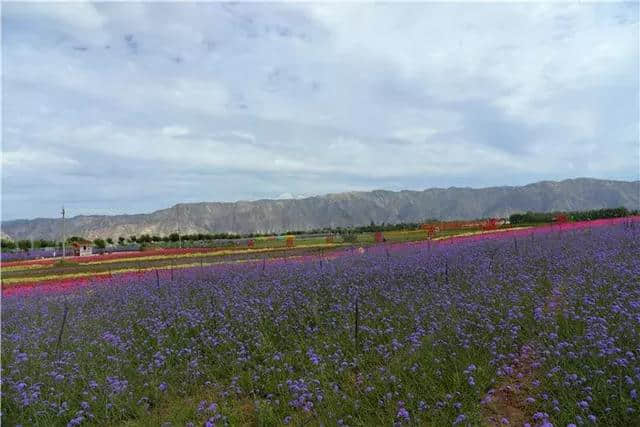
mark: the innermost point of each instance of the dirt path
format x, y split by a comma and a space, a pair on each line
507, 404
508, 400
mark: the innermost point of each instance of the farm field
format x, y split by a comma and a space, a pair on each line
532, 326
51, 269
28, 273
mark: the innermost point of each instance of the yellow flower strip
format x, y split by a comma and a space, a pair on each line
24, 267
473, 233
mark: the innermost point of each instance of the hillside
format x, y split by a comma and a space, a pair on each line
343, 209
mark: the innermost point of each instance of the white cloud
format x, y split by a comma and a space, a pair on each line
31, 160
243, 135
81, 15
416, 135
175, 131
210, 101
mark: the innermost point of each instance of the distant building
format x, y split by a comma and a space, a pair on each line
82, 248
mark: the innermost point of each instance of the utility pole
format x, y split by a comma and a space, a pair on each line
178, 221
63, 236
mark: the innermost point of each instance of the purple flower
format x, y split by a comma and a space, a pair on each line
403, 414
540, 416
459, 419
75, 421
313, 357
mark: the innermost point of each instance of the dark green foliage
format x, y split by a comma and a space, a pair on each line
7, 244
542, 217
144, 238
531, 217
25, 245
42, 243
599, 214
100, 244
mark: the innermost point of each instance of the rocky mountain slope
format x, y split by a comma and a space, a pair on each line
343, 209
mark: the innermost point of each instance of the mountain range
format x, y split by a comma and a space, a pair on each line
341, 209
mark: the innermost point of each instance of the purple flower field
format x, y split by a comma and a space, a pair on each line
541, 330
34, 254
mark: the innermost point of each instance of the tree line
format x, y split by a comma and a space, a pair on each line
174, 237
542, 217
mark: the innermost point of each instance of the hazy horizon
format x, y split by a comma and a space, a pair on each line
112, 108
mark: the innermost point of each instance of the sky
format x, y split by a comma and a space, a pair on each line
114, 108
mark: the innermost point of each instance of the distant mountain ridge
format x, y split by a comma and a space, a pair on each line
342, 209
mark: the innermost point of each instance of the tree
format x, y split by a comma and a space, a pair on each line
144, 238
42, 243
24, 244
100, 244
110, 241
174, 237
121, 240
133, 238
7, 244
